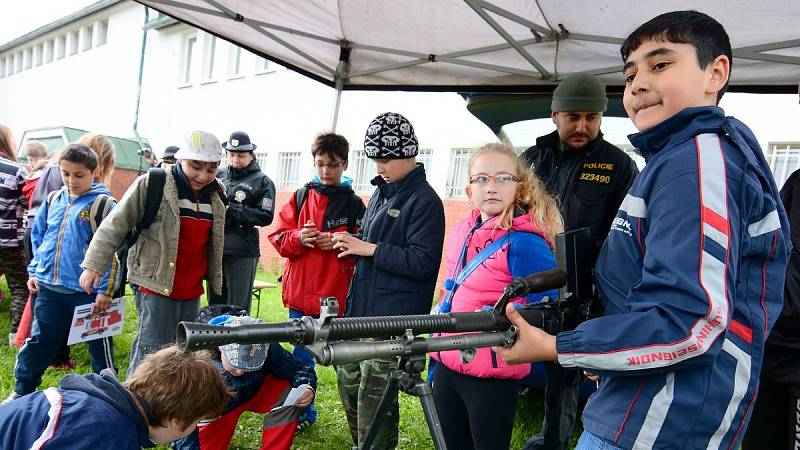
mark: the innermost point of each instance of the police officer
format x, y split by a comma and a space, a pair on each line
251, 196
168, 157
589, 177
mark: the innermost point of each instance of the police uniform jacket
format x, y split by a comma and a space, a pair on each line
252, 204
589, 183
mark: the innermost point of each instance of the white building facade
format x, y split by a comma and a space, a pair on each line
82, 71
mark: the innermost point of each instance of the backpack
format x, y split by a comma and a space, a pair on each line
300, 199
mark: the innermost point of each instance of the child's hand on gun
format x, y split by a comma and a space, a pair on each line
89, 280
532, 343
309, 234
101, 303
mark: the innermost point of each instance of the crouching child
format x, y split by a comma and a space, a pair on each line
261, 377
163, 401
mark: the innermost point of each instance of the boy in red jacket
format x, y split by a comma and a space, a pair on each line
306, 223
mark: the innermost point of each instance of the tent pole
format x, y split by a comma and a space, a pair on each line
336, 102
339, 76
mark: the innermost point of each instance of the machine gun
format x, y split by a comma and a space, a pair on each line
335, 340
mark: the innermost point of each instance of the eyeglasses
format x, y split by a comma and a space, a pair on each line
330, 165
500, 178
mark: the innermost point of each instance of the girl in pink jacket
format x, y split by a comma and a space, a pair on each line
476, 401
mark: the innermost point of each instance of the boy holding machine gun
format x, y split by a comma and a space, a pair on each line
691, 275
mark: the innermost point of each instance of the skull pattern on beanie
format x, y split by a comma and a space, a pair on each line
390, 136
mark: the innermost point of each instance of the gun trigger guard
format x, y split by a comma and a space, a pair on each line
467, 355
510, 335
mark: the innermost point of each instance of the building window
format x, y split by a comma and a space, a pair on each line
261, 158
73, 37
783, 158
235, 62
60, 46
88, 35
288, 170
102, 33
208, 57
2, 67
425, 156
265, 66
48, 51
361, 170
457, 175
28, 58
37, 55
188, 58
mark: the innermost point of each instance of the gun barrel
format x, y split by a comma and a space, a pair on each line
344, 352
195, 336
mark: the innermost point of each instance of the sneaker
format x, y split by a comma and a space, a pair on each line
11, 397
303, 425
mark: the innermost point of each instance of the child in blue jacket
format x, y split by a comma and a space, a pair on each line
60, 236
691, 275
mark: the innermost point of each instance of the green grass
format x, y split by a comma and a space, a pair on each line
330, 431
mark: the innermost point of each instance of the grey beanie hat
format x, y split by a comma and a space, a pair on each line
390, 136
580, 92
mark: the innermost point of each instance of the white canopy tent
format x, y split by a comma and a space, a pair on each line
483, 46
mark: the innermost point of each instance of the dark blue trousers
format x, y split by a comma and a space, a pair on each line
52, 316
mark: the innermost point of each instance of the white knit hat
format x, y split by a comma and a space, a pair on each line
200, 146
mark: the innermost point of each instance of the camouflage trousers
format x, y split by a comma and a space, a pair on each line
361, 387
12, 265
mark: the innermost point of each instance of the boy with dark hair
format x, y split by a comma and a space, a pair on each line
171, 257
161, 402
399, 249
306, 224
64, 227
261, 377
691, 275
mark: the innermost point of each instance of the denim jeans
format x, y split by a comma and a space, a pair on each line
589, 441
52, 319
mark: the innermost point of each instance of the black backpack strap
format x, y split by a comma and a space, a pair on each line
157, 178
98, 210
300, 198
52, 196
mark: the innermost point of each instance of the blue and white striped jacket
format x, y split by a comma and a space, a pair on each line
61, 234
691, 279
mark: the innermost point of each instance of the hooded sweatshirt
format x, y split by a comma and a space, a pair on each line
86, 412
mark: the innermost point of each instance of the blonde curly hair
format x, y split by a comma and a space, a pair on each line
531, 195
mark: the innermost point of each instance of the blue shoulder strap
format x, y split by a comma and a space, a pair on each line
452, 285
